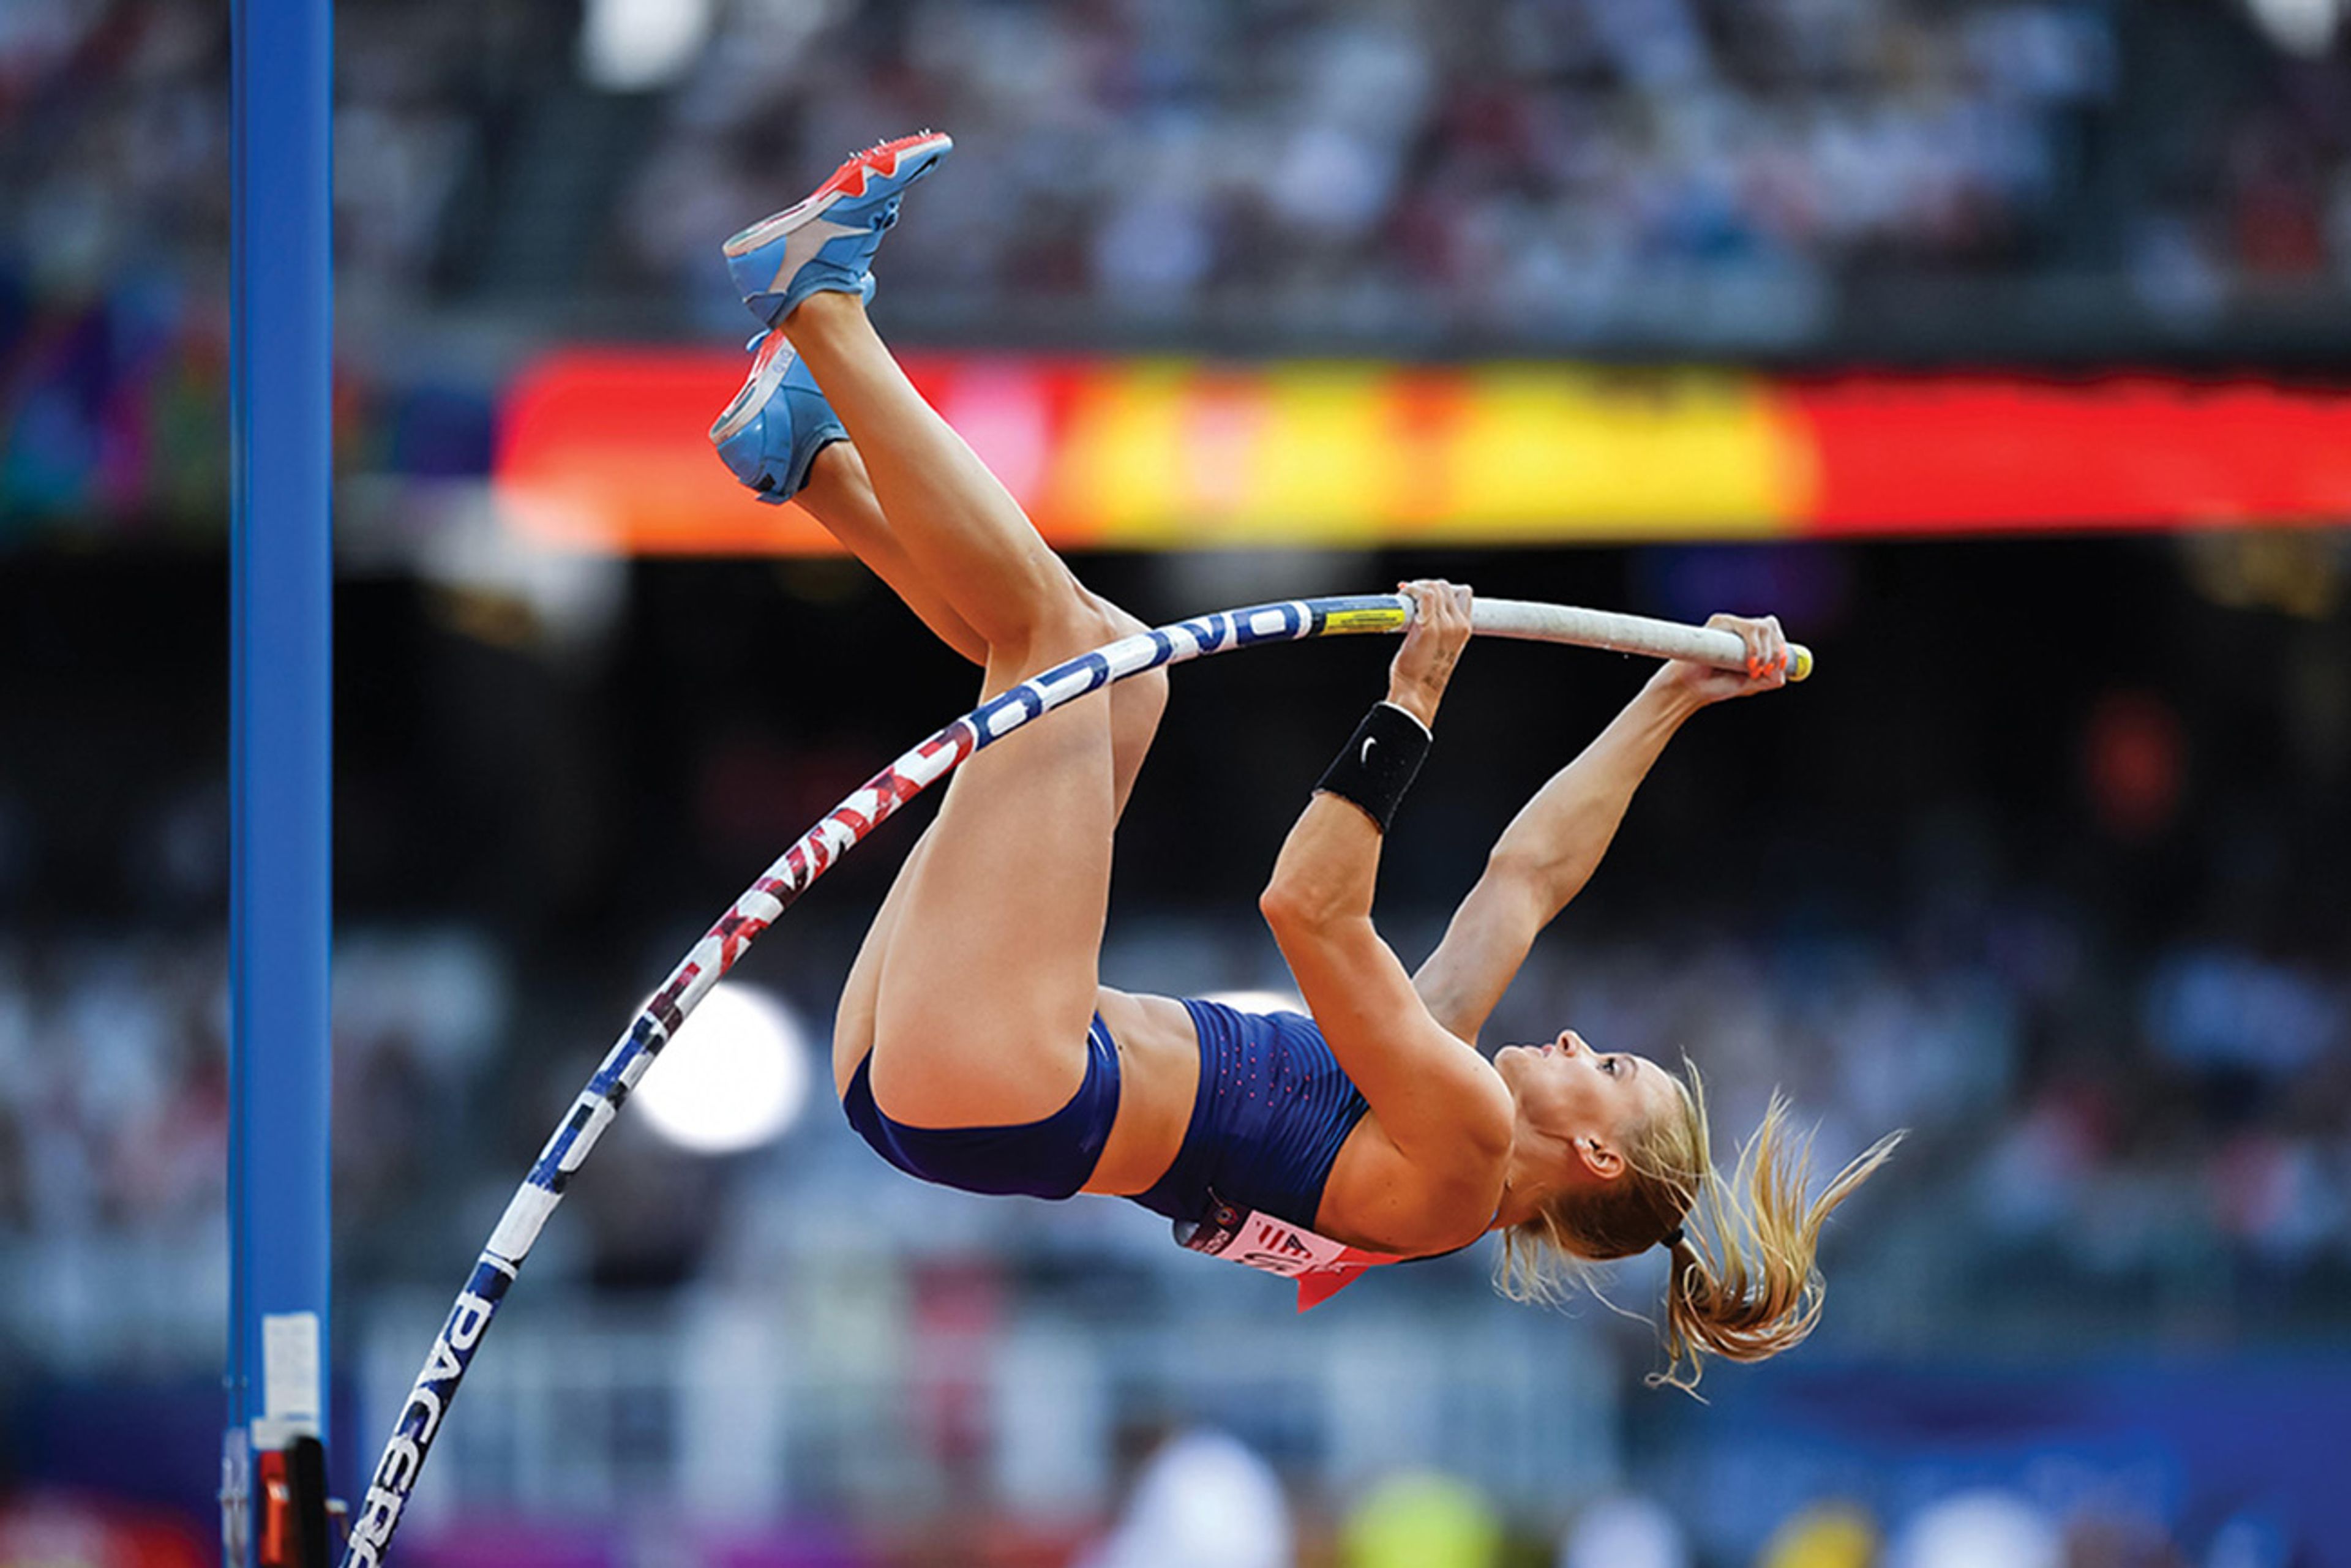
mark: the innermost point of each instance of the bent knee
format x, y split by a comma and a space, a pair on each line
1136, 705
1053, 637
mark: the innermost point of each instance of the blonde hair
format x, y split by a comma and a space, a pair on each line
1750, 1292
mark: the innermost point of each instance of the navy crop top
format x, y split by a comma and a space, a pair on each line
1273, 1110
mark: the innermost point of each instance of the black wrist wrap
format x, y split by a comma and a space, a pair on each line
1378, 762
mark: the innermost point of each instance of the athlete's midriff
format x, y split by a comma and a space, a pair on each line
1159, 1076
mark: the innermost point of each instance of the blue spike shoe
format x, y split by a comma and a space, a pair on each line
770, 435
828, 241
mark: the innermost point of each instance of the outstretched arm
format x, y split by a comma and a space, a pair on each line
1430, 1091
1554, 844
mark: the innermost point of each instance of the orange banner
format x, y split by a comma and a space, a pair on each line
604, 449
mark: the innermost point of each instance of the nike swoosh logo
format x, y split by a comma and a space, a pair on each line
1364, 758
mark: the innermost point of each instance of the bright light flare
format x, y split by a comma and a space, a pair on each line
735, 1077
2305, 27
638, 45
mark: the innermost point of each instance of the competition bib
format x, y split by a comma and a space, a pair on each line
1321, 1266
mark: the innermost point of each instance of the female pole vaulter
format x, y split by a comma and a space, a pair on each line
975, 1044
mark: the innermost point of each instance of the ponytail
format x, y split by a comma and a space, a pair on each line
1750, 1292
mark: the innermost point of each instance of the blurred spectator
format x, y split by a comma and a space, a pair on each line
1975, 1530
1822, 1535
95, 1532
2219, 1010
2100, 1538
1202, 1497
1625, 1533
1423, 1520
2250, 1539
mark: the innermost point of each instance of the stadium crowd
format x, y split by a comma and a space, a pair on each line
1681, 172
2201, 1128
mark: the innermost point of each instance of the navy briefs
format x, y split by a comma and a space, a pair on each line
1273, 1110
1048, 1158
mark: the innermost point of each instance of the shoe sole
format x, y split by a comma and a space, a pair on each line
767, 373
905, 158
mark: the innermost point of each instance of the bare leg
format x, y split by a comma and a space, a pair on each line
839, 494
959, 527
977, 982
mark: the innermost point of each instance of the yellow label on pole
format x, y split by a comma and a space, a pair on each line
1372, 618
